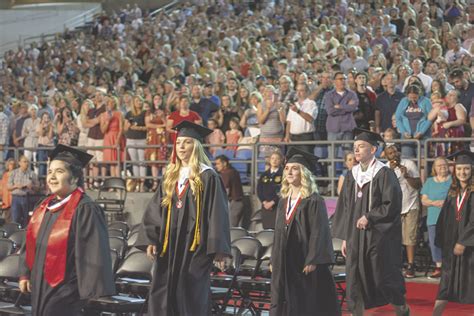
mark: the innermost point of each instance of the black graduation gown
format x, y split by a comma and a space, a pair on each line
181, 280
268, 188
457, 272
374, 256
88, 264
306, 241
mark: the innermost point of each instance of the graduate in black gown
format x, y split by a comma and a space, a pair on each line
302, 281
185, 228
367, 219
268, 189
66, 257
455, 237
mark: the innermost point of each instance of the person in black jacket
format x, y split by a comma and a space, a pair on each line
268, 188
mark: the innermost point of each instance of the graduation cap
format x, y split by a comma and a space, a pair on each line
462, 157
70, 155
368, 136
190, 129
305, 158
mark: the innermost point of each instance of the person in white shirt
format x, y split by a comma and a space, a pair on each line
409, 177
300, 118
417, 66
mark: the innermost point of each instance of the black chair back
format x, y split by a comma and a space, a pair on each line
136, 265
6, 247
123, 226
113, 232
119, 244
249, 247
9, 267
18, 238
265, 237
132, 238
10, 228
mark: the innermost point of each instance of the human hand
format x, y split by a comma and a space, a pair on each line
344, 249
25, 286
309, 268
337, 106
446, 125
418, 136
293, 107
406, 135
362, 223
438, 203
151, 252
403, 170
459, 249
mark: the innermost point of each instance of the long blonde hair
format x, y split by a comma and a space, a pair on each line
171, 176
308, 183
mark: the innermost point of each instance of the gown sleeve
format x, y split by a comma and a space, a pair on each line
215, 201
92, 252
466, 231
341, 216
320, 250
389, 208
149, 234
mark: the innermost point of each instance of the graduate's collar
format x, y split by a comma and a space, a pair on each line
57, 204
363, 177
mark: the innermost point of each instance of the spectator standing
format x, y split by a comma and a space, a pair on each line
111, 124
365, 113
417, 67
135, 133
409, 178
349, 163
268, 189
466, 89
66, 128
182, 114
18, 122
434, 192
340, 104
320, 132
6, 194
4, 134
353, 61
412, 119
249, 121
271, 117
455, 237
215, 138
21, 183
95, 137
453, 118
386, 103
231, 180
30, 133
233, 135
81, 122
45, 133
155, 121
300, 118
201, 105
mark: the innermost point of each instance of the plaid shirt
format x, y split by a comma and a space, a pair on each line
320, 121
4, 127
22, 178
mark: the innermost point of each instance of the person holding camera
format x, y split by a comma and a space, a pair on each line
409, 177
22, 181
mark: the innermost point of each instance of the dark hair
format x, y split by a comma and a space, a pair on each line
223, 158
338, 73
456, 74
413, 88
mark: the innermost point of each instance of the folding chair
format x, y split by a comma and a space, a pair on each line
119, 244
9, 228
237, 232
18, 238
6, 247
222, 286
122, 226
112, 196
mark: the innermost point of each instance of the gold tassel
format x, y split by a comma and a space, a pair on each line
197, 230
167, 231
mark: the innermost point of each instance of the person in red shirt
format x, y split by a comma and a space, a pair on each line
182, 114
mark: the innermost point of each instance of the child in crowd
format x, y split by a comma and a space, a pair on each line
215, 138
388, 136
439, 107
234, 135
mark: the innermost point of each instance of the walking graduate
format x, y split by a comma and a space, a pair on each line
302, 282
455, 237
186, 228
368, 221
66, 257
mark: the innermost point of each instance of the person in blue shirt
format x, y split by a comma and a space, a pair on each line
433, 194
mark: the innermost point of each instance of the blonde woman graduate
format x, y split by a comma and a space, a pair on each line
302, 282
185, 228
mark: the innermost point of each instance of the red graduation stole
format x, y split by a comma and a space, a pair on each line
56, 252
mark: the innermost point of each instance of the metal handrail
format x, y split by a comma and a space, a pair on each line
422, 155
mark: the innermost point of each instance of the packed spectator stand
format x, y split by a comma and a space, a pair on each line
263, 75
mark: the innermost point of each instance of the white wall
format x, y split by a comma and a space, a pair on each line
21, 22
